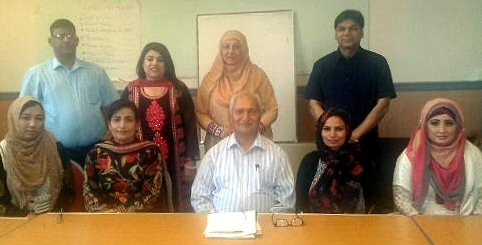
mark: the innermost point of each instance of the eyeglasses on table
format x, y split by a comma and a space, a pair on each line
280, 220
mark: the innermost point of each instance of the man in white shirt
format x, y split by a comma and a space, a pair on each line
244, 171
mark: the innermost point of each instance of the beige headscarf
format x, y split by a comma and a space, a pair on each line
28, 163
216, 89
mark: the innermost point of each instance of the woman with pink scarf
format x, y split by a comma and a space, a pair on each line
439, 172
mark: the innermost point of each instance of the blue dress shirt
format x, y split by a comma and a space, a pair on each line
72, 99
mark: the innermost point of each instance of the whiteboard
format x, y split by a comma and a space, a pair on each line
110, 37
270, 41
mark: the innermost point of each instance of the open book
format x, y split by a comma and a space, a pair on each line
233, 225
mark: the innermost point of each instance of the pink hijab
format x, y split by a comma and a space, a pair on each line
427, 158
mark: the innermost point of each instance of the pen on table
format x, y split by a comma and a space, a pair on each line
60, 217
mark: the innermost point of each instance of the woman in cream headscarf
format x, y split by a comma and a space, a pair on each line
232, 72
440, 172
32, 176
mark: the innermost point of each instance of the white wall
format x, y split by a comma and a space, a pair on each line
423, 40
170, 22
18, 42
429, 40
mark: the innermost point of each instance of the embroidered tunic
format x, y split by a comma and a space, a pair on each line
168, 120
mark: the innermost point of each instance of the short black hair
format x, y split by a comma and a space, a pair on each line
350, 14
62, 23
117, 106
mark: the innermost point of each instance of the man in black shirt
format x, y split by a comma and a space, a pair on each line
356, 80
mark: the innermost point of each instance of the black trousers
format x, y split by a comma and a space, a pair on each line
372, 184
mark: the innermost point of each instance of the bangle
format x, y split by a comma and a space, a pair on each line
215, 129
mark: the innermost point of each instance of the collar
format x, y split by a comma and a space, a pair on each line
357, 55
56, 64
258, 143
140, 82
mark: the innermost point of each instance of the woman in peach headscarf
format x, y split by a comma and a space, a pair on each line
440, 172
232, 72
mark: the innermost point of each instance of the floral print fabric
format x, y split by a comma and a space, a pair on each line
123, 178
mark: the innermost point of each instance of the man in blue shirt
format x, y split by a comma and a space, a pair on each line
71, 91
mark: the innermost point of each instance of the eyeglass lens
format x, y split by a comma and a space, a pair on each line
64, 35
297, 221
